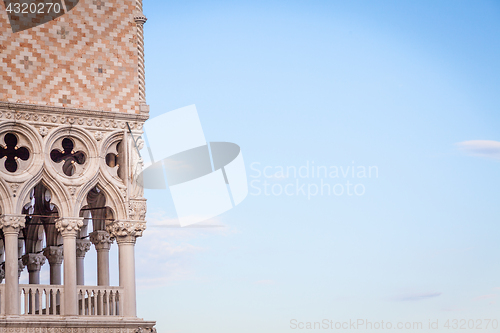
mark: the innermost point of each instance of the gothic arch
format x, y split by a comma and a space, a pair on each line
110, 192
59, 196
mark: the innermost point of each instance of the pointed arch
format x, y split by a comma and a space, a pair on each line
59, 195
114, 198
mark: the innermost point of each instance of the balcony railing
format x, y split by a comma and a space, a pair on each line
39, 299
48, 300
100, 301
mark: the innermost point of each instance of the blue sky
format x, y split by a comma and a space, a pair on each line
396, 85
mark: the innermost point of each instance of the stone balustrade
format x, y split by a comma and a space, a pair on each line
36, 299
100, 301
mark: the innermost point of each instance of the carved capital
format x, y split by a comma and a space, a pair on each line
34, 261
121, 229
12, 223
69, 226
101, 239
54, 255
137, 210
82, 247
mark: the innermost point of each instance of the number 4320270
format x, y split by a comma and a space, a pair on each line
33, 8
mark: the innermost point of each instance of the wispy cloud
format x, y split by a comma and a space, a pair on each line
168, 255
416, 297
482, 148
482, 297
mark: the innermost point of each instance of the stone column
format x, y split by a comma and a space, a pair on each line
11, 225
68, 227
82, 247
126, 233
34, 262
102, 241
54, 255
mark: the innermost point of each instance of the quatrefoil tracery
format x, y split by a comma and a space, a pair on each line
13, 152
114, 159
69, 156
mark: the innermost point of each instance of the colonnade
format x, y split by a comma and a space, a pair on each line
72, 253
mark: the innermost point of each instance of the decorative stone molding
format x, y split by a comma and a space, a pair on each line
145, 330
141, 68
141, 19
98, 135
43, 131
72, 190
101, 239
86, 324
45, 113
12, 223
137, 209
34, 261
54, 255
82, 247
68, 225
14, 187
119, 229
104, 122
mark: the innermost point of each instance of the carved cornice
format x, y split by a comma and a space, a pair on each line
101, 239
71, 112
34, 261
54, 254
82, 247
12, 223
121, 229
69, 226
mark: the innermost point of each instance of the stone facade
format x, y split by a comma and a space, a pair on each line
89, 58
72, 108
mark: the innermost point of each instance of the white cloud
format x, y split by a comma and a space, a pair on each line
167, 253
482, 148
416, 296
